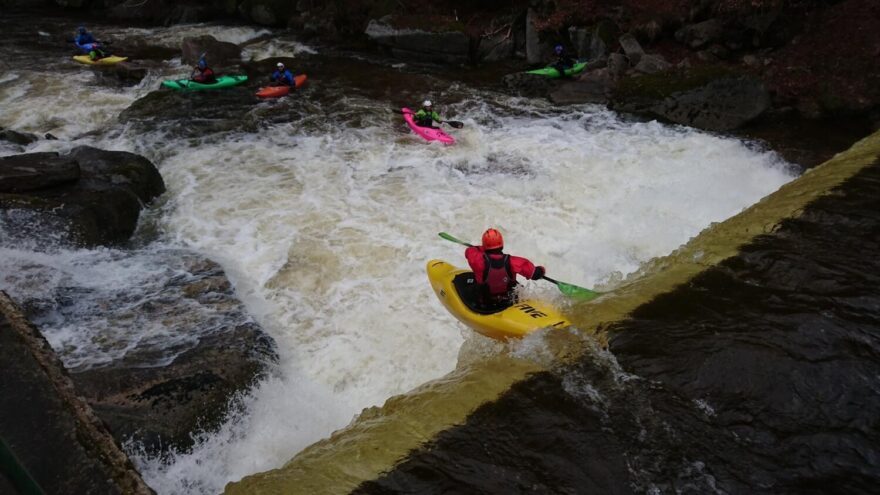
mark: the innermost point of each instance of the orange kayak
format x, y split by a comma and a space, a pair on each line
279, 91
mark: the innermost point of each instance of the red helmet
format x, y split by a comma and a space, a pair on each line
492, 239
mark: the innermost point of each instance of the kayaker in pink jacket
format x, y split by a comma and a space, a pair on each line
495, 272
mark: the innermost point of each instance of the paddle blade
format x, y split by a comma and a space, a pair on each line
452, 239
455, 123
578, 293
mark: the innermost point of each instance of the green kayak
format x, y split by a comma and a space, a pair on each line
552, 72
222, 82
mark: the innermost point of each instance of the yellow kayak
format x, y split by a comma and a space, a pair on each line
113, 59
450, 283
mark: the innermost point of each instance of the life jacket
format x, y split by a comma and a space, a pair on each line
498, 277
423, 118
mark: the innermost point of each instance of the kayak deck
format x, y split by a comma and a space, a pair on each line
113, 59
427, 133
552, 72
451, 284
187, 84
279, 91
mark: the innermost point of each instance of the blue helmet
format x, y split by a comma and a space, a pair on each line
81, 30
558, 48
202, 63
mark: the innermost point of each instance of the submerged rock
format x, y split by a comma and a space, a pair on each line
58, 442
19, 138
87, 198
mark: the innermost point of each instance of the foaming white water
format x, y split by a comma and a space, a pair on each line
275, 48
172, 36
326, 235
104, 305
66, 106
74, 102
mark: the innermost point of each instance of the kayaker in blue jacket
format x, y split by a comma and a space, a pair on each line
426, 116
563, 60
84, 39
283, 76
86, 42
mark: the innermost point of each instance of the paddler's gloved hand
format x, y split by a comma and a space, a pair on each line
538, 273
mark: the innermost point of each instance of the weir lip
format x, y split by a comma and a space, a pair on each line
381, 437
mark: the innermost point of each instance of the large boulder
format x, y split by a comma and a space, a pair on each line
20, 173
57, 441
536, 50
219, 54
720, 104
445, 45
581, 39
651, 64
700, 34
159, 357
19, 138
496, 47
603, 35
617, 64
631, 48
87, 198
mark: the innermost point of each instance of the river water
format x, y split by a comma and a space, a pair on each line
323, 209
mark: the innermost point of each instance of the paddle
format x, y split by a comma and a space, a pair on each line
453, 123
569, 290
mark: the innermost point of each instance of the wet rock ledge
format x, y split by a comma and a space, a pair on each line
58, 443
189, 347
87, 198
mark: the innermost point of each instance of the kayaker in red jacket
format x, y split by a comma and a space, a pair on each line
203, 73
495, 272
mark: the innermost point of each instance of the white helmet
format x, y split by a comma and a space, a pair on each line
279, 65
426, 103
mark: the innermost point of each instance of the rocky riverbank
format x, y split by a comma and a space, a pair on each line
711, 64
171, 355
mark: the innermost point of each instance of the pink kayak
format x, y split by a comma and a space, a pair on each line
429, 133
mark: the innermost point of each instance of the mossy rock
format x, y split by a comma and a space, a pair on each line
663, 84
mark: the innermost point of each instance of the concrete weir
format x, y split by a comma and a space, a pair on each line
381, 437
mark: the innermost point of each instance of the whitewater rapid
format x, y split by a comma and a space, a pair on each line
324, 224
